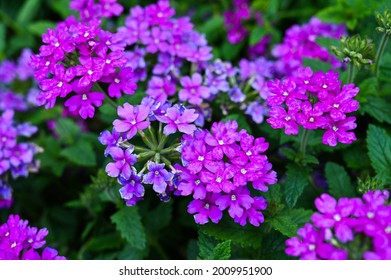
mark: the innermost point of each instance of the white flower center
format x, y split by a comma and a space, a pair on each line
311, 247
324, 86
335, 128
108, 61
4, 139
221, 142
84, 97
197, 182
59, 84
90, 72
160, 14
306, 82
219, 179
288, 118
243, 171
57, 44
156, 172
13, 245
285, 93
7, 234
116, 80
312, 119
47, 63
336, 106
233, 197
201, 158
108, 43
86, 34
388, 230
156, 41
337, 217
30, 240
133, 122
371, 215
249, 153
207, 206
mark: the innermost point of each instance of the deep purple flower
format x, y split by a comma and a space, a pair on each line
6, 197
91, 70
132, 190
236, 201
124, 159
134, 119
279, 118
178, 121
205, 210
157, 176
161, 88
257, 111
109, 139
192, 90
253, 214
339, 132
218, 180
122, 81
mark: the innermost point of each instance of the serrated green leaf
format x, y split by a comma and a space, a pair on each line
310, 159
40, 27
229, 51
61, 7
226, 229
339, 181
67, 130
379, 108
328, 42
132, 253
241, 119
104, 242
379, 151
128, 223
289, 153
295, 182
81, 154
257, 34
273, 246
159, 217
367, 87
211, 249
289, 221
28, 11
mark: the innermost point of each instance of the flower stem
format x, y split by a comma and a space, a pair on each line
303, 142
146, 140
351, 73
380, 52
97, 87
163, 141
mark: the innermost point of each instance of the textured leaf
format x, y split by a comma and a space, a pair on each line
289, 221
67, 130
339, 181
81, 154
128, 223
160, 217
317, 65
295, 182
379, 151
211, 249
226, 229
28, 11
257, 34
379, 108
40, 27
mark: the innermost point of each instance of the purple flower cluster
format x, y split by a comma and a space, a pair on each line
340, 222
76, 57
18, 241
154, 158
12, 73
6, 198
217, 167
314, 101
300, 42
17, 157
88, 9
234, 20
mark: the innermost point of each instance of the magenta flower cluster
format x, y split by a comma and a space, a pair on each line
15, 156
89, 9
217, 169
19, 241
300, 42
314, 101
135, 120
234, 21
76, 57
341, 222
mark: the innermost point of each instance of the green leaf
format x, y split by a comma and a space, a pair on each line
40, 27
61, 7
2, 40
132, 253
334, 14
379, 151
81, 154
317, 65
289, 221
226, 229
328, 42
289, 153
367, 87
28, 11
67, 130
104, 242
241, 119
310, 159
379, 108
295, 182
159, 217
128, 223
210, 249
339, 181
257, 34
230, 52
